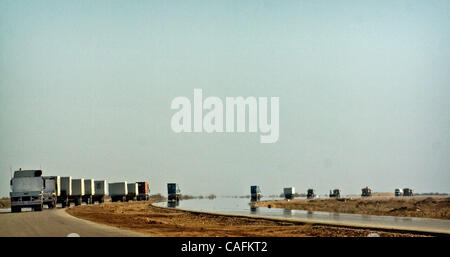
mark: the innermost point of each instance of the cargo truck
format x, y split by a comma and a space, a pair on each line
52, 190
89, 191
27, 190
336, 193
255, 193
99, 191
398, 192
407, 192
118, 191
143, 191
310, 194
132, 191
173, 192
289, 192
366, 192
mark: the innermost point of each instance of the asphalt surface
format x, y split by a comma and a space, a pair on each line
54, 223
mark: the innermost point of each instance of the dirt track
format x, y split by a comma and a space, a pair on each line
423, 207
5, 202
145, 218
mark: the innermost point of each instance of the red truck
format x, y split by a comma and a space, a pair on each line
143, 191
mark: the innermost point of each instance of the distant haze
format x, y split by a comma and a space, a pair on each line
363, 87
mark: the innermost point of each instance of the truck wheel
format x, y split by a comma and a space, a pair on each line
52, 205
38, 208
16, 209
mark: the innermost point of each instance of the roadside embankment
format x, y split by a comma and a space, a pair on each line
5, 202
423, 207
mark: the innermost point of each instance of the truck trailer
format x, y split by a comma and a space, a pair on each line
27, 190
407, 192
143, 191
132, 191
89, 191
366, 192
118, 191
289, 192
255, 193
310, 194
398, 192
65, 191
173, 192
77, 191
99, 191
52, 190
335, 193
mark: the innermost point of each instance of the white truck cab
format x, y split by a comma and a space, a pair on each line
27, 190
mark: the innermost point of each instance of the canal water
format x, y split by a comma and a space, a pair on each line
243, 206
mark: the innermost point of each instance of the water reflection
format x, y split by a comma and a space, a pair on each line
335, 215
288, 212
254, 209
173, 204
366, 217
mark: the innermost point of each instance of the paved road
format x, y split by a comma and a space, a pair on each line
54, 223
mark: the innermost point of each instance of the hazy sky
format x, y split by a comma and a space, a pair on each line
364, 87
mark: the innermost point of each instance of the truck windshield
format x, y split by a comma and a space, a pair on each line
27, 184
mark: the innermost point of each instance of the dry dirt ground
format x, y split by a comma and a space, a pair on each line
424, 207
156, 221
5, 202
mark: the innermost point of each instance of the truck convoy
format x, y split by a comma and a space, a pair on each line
310, 194
143, 191
118, 191
398, 192
173, 192
255, 193
289, 192
27, 190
